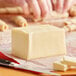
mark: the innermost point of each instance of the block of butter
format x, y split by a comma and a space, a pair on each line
38, 41
59, 66
70, 61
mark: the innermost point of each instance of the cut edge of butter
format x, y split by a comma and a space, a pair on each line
58, 66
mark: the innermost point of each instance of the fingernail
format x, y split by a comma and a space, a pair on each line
45, 14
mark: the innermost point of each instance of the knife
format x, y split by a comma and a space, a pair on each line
8, 63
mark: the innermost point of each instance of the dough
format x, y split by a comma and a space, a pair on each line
72, 11
20, 21
3, 26
68, 26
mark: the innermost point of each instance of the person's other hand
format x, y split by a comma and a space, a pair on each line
64, 5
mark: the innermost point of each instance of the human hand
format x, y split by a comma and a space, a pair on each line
40, 8
64, 5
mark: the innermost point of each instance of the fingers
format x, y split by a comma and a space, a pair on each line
67, 5
63, 5
53, 2
24, 5
59, 5
40, 8
44, 7
49, 4
35, 8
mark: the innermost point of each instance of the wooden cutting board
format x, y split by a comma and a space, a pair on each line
71, 72
11, 72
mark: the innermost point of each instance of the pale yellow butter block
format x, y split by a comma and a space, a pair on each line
59, 66
38, 41
70, 61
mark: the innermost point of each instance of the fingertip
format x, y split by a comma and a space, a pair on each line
45, 13
49, 4
35, 9
59, 6
44, 6
37, 15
